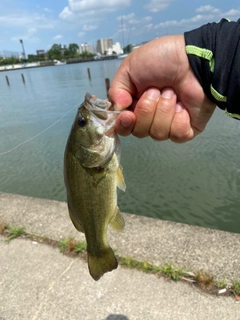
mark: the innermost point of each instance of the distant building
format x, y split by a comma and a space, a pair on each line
62, 48
103, 45
41, 52
115, 49
87, 47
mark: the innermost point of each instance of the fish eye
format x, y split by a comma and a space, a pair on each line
81, 122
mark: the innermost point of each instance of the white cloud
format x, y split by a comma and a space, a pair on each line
79, 5
126, 17
207, 8
59, 36
187, 23
96, 9
149, 26
66, 14
130, 18
89, 27
233, 14
158, 5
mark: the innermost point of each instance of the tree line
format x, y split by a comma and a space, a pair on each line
57, 52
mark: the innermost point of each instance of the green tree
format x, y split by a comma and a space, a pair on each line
55, 52
73, 48
67, 54
84, 54
9, 61
127, 49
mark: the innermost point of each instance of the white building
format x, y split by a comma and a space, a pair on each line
115, 49
103, 45
87, 47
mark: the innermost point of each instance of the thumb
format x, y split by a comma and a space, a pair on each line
120, 97
122, 87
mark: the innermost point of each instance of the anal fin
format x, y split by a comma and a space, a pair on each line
117, 222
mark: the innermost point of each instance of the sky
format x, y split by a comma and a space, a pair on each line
42, 23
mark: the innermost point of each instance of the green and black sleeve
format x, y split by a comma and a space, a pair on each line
214, 55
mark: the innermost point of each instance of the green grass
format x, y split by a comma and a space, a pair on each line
80, 247
173, 273
68, 245
221, 284
140, 265
167, 270
63, 244
236, 287
13, 232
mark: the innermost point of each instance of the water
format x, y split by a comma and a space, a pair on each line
196, 183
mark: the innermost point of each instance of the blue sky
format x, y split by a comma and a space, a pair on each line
41, 23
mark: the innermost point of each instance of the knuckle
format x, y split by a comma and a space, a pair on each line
159, 135
181, 129
180, 133
164, 107
138, 135
140, 132
145, 108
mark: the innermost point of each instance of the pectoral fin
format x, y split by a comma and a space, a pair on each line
117, 222
120, 179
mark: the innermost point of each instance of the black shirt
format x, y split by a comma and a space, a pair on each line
214, 55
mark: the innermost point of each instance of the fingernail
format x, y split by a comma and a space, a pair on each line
153, 94
117, 107
168, 93
126, 121
179, 107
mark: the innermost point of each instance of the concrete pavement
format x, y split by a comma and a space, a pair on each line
37, 282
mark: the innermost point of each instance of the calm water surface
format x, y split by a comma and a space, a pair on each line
195, 183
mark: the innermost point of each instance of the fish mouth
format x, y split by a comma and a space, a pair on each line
99, 103
102, 112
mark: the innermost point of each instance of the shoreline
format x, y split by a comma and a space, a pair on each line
51, 64
146, 239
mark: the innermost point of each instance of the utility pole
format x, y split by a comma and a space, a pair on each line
24, 54
122, 36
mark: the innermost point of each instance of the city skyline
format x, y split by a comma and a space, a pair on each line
102, 47
40, 24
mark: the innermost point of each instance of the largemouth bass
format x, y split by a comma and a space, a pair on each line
92, 173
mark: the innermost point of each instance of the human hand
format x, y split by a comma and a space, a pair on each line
165, 98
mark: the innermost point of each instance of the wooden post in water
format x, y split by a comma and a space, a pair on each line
23, 80
107, 83
7, 81
89, 74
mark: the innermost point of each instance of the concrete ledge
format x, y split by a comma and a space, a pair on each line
156, 241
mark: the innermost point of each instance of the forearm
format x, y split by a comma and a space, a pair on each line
214, 55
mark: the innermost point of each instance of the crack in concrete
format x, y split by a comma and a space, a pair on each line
50, 289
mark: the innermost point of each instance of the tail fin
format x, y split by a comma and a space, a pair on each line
102, 263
